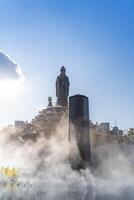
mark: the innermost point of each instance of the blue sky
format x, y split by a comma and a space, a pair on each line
94, 39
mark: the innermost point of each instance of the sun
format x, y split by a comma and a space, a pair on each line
9, 88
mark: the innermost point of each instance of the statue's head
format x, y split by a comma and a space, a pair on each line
63, 70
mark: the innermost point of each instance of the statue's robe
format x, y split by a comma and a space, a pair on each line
62, 90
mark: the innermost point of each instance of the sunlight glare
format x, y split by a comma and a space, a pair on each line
10, 88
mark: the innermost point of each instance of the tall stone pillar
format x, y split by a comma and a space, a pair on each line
79, 136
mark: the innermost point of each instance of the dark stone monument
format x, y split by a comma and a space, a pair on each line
62, 88
79, 136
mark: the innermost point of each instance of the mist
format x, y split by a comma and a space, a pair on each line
45, 171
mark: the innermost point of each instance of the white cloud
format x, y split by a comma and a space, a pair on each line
9, 69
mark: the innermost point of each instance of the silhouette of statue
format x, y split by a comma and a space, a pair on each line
50, 104
62, 88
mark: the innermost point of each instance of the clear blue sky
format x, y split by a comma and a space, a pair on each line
94, 39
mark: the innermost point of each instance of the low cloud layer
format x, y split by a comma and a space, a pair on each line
9, 69
45, 171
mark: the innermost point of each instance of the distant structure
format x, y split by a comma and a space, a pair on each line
79, 131
62, 88
19, 124
116, 131
105, 127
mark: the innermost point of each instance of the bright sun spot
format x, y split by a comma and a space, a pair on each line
10, 88
12, 100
